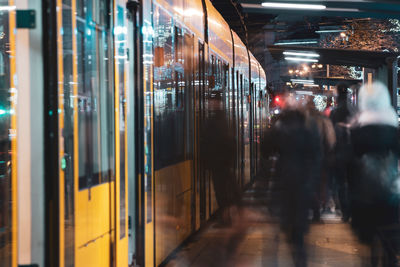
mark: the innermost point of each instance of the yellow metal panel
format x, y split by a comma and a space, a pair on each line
81, 218
95, 254
60, 129
92, 229
13, 71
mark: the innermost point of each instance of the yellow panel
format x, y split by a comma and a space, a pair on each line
173, 185
122, 253
13, 71
60, 129
95, 254
93, 225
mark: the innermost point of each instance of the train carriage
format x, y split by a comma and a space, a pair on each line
101, 106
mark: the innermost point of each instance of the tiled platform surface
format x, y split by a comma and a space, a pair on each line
255, 240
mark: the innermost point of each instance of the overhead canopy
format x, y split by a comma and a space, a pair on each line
347, 57
334, 81
382, 9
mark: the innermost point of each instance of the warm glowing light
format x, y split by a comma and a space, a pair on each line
320, 66
277, 99
342, 34
306, 68
313, 66
290, 71
293, 6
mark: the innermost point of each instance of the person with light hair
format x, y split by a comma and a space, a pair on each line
374, 138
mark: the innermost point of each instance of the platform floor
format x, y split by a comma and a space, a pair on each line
254, 239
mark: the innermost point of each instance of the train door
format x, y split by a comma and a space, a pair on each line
92, 127
133, 113
124, 125
8, 166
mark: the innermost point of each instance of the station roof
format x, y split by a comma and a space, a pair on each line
334, 81
346, 57
381, 9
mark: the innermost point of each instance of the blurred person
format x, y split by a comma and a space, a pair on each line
292, 139
340, 117
218, 153
327, 140
374, 198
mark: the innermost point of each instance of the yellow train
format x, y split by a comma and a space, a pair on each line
101, 105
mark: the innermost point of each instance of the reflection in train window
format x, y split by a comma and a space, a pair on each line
120, 44
5, 146
95, 106
170, 92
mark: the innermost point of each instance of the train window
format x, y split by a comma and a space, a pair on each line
120, 44
169, 93
68, 131
95, 94
6, 137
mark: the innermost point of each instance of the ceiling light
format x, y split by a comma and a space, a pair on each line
304, 92
297, 42
7, 8
302, 81
300, 54
299, 59
328, 31
292, 6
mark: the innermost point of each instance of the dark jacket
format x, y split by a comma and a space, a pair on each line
295, 140
373, 195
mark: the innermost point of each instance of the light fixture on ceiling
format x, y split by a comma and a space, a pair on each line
297, 42
328, 31
7, 8
301, 54
302, 81
300, 59
293, 6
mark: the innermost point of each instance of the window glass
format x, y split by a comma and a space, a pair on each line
121, 60
169, 92
67, 133
95, 97
6, 137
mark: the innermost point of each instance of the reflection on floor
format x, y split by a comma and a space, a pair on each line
258, 242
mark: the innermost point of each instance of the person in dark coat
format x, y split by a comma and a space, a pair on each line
374, 195
294, 138
218, 155
340, 117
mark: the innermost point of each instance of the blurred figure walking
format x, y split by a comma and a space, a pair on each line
294, 138
340, 117
374, 197
327, 141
